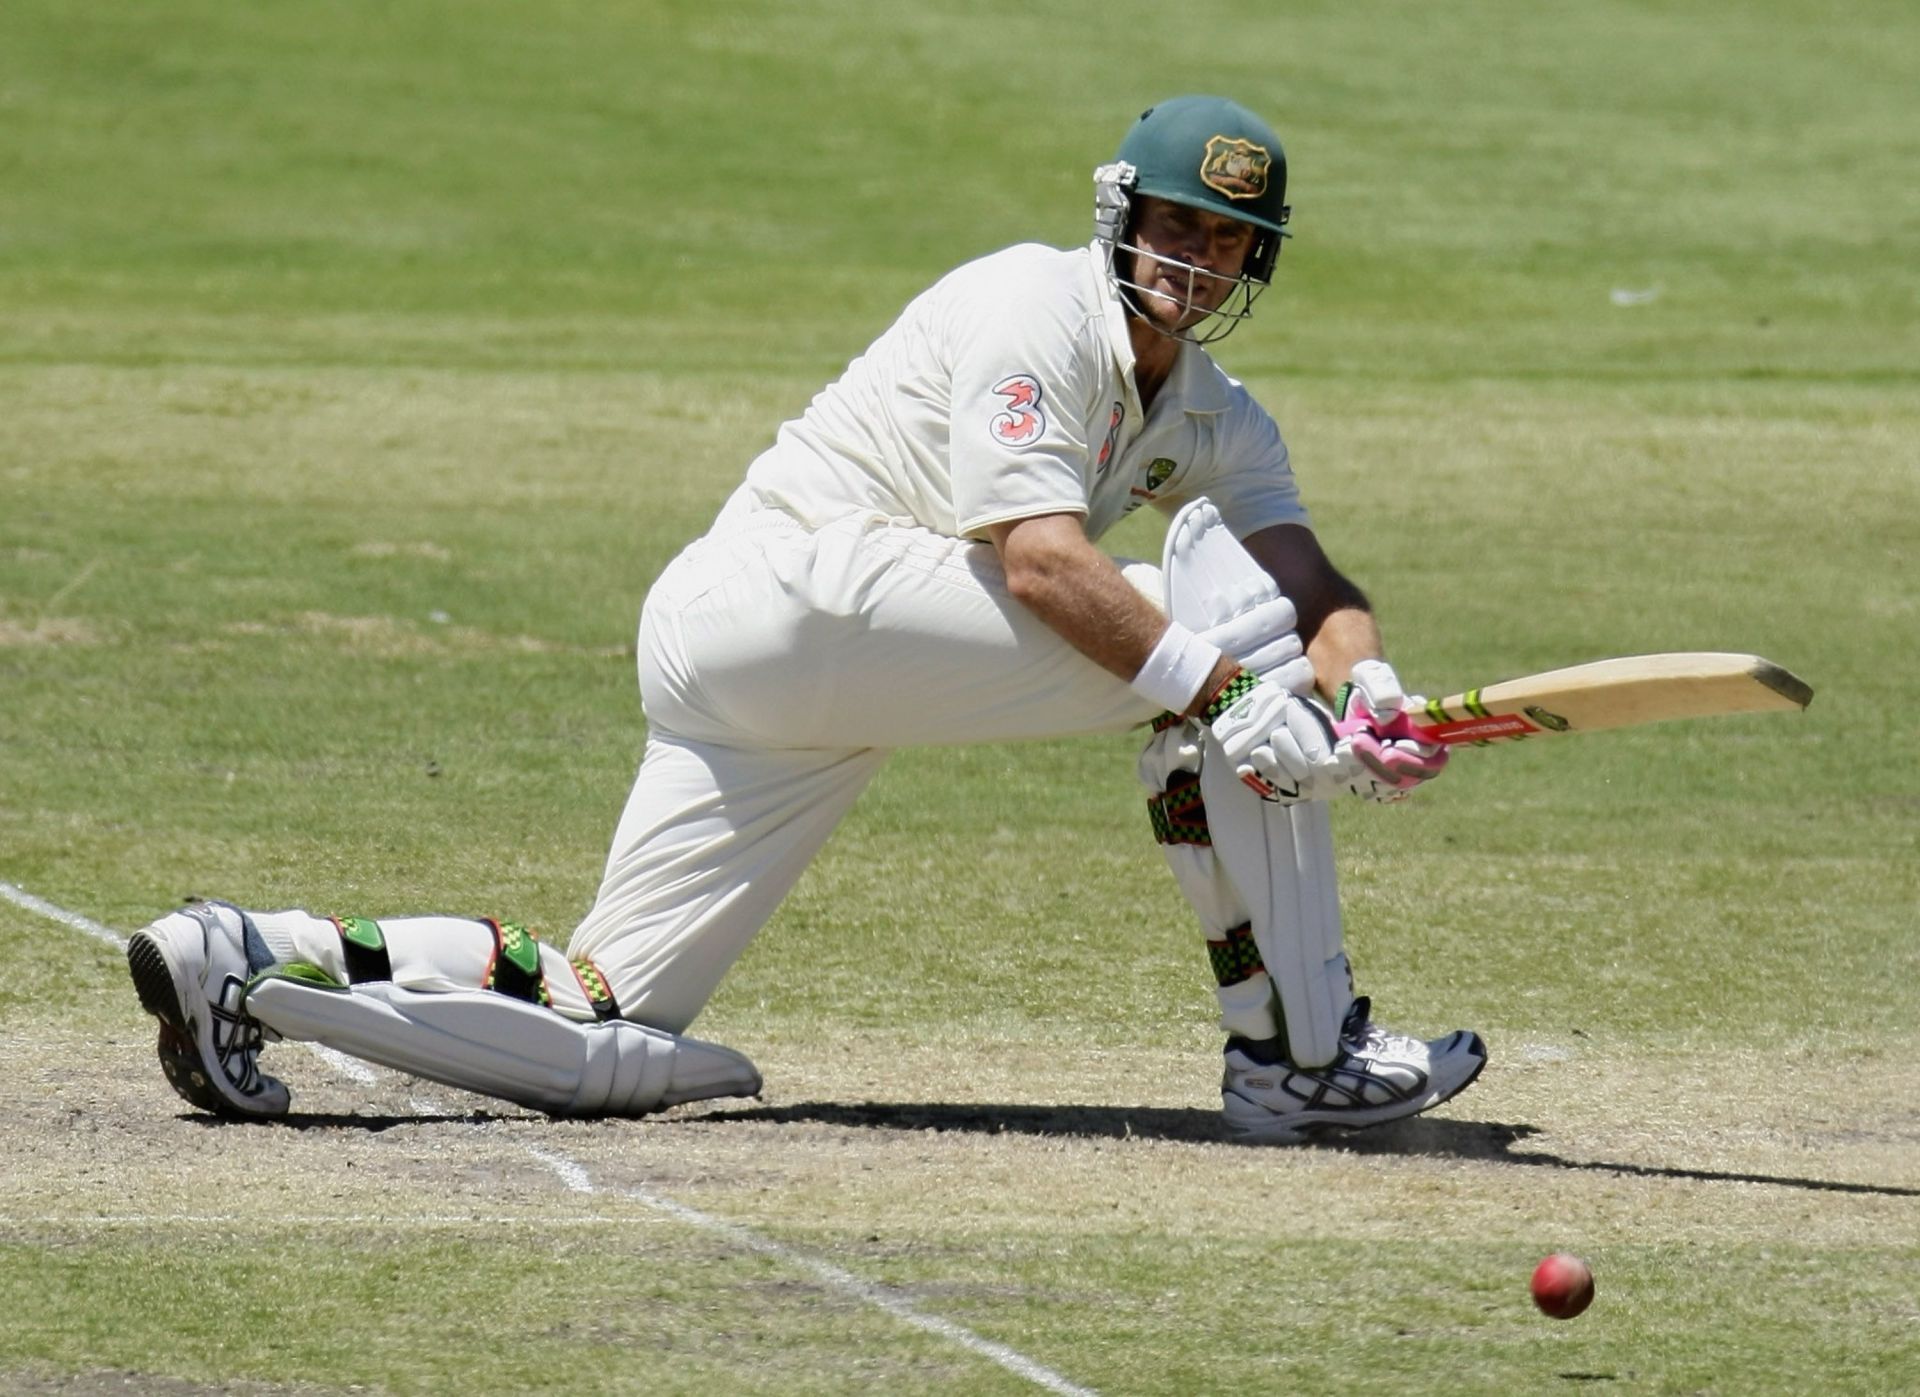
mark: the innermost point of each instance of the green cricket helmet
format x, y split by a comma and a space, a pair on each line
1207, 153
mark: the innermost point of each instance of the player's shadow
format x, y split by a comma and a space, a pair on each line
1490, 1141
370, 1124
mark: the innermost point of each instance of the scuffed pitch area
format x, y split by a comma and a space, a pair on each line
874, 1133
1073, 1212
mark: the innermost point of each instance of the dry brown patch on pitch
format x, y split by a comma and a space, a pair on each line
49, 631
424, 549
388, 637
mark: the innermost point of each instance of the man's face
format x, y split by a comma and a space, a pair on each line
1176, 246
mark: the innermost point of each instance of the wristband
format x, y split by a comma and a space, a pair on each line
1178, 666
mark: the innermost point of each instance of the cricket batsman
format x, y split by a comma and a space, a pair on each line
914, 561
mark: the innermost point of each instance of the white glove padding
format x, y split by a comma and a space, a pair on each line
1369, 784
1380, 686
1263, 640
1372, 719
1281, 745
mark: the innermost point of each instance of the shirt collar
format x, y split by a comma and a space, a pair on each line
1195, 383
1116, 314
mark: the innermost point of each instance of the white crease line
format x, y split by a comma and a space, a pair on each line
20, 897
350, 1067
575, 1178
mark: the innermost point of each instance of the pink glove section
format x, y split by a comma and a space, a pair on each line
1397, 751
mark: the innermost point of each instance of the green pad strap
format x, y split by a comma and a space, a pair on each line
515, 967
365, 947
302, 972
1235, 958
599, 993
1178, 814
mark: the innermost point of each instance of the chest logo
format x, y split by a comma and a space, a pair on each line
1022, 421
1235, 167
1159, 471
1113, 437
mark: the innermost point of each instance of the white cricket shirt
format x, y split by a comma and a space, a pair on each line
1006, 391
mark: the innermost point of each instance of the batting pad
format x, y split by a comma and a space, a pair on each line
489, 1043
1279, 857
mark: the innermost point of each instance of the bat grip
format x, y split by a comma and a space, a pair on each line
1360, 721
1373, 739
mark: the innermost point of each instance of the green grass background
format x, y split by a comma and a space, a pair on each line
360, 365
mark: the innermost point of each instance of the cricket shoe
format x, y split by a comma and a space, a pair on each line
1379, 1076
191, 969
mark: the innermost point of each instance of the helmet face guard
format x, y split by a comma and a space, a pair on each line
1113, 226
1209, 154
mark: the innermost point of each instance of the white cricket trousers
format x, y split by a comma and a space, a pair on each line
778, 667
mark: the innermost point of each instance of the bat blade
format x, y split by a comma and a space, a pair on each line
1616, 693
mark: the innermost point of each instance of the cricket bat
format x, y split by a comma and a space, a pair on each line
1616, 693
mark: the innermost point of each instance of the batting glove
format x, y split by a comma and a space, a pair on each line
1373, 718
1264, 642
1281, 745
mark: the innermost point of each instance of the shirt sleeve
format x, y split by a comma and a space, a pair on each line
1026, 369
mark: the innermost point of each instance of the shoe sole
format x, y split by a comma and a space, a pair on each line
177, 1048
159, 996
1308, 1126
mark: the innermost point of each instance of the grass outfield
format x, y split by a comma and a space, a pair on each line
361, 364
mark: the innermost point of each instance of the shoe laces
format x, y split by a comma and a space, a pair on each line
1362, 1033
1386, 1040
237, 1040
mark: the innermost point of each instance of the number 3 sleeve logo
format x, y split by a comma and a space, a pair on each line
1022, 422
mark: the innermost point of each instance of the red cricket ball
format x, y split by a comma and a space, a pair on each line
1562, 1285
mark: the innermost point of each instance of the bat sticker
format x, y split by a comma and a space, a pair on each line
1546, 718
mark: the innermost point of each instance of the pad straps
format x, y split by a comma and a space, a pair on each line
1235, 957
1178, 814
365, 947
598, 992
514, 969
515, 964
